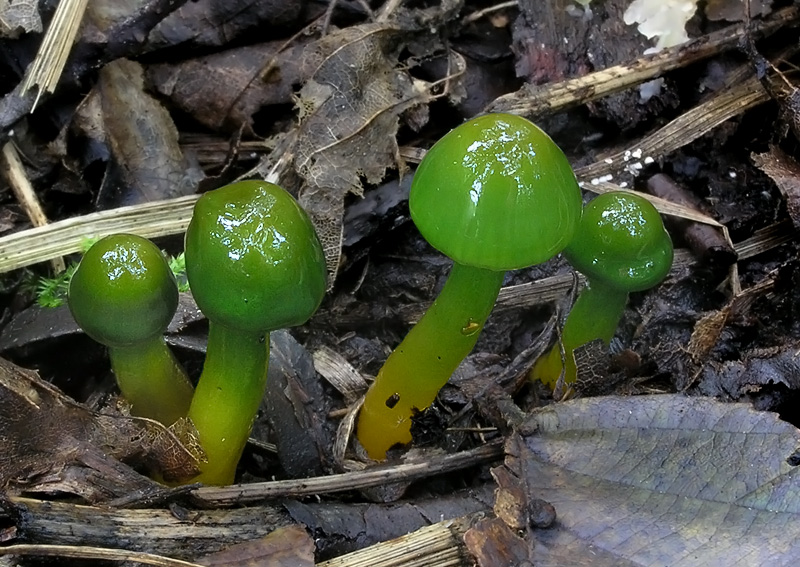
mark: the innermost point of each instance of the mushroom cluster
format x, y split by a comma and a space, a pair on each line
494, 194
254, 264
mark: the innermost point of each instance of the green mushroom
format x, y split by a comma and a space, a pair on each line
254, 264
621, 246
124, 295
494, 194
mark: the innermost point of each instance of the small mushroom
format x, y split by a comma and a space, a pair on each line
254, 264
621, 246
124, 295
494, 194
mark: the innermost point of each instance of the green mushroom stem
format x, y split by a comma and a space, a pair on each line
595, 315
166, 390
429, 354
254, 264
234, 373
494, 194
621, 246
124, 295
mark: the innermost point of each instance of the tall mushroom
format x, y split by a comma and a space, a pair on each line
124, 295
254, 264
494, 194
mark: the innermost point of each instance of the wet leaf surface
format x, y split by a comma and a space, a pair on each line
146, 162
661, 480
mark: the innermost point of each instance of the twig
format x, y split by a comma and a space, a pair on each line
84, 552
374, 476
46, 68
475, 16
23, 191
150, 220
537, 101
438, 545
684, 129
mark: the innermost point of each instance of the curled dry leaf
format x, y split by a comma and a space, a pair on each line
494, 544
19, 16
785, 172
50, 443
349, 114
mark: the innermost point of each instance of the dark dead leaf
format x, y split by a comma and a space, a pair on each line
218, 22
662, 480
764, 367
349, 113
146, 163
295, 405
288, 546
785, 172
50, 443
734, 10
224, 90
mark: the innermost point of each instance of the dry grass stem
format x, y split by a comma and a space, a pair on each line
23, 190
85, 552
533, 101
374, 476
150, 220
437, 545
46, 69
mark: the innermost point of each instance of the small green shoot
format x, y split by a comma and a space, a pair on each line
52, 292
178, 266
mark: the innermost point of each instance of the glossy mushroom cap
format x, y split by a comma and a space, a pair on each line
123, 291
496, 193
622, 241
253, 258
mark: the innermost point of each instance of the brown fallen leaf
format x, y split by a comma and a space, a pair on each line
145, 162
661, 481
288, 546
49, 443
355, 93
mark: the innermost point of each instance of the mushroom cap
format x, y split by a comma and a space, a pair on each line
123, 291
253, 259
621, 241
496, 193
